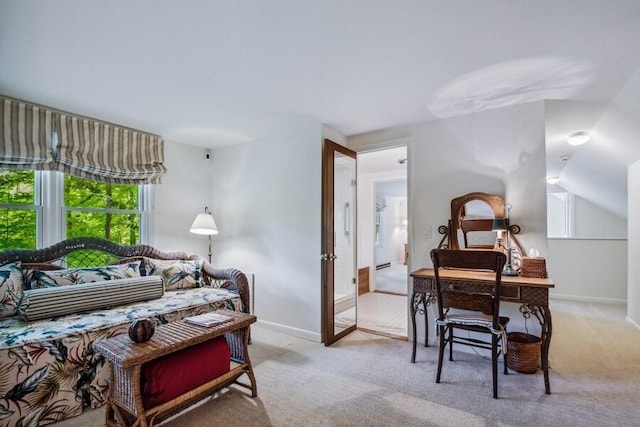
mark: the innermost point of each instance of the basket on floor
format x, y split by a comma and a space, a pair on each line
523, 352
533, 267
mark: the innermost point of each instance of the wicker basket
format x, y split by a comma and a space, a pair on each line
533, 267
523, 352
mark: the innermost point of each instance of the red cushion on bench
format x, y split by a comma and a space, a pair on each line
169, 376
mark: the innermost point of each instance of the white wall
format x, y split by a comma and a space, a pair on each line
580, 272
183, 194
633, 284
366, 214
593, 222
500, 152
267, 196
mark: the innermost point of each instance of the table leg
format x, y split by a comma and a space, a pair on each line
543, 314
415, 300
546, 342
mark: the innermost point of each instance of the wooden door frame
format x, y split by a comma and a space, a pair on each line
328, 241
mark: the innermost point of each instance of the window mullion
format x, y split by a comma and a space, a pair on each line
52, 218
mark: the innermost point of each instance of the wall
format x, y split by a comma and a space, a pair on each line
633, 284
366, 218
593, 222
267, 197
183, 194
500, 152
579, 272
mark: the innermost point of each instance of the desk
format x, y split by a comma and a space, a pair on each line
532, 293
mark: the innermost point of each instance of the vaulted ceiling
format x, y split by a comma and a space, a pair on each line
215, 73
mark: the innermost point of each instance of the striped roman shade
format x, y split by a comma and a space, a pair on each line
45, 303
38, 138
104, 152
26, 133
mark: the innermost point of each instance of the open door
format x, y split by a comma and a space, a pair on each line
339, 262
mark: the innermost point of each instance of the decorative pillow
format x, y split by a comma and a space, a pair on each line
11, 288
73, 276
177, 274
132, 260
51, 302
169, 376
29, 268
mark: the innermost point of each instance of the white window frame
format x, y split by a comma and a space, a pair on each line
50, 210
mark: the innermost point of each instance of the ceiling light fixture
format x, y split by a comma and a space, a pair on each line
553, 180
578, 138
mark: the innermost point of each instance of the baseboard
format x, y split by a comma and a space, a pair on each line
288, 330
632, 322
580, 298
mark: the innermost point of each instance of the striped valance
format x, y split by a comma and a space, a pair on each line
25, 136
38, 138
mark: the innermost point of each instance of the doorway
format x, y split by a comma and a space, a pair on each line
382, 242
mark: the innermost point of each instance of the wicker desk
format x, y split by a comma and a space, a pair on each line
124, 406
532, 293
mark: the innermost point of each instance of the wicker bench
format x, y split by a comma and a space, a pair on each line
125, 405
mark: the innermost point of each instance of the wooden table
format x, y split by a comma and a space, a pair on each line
124, 406
532, 293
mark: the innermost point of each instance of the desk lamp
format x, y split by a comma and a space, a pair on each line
502, 225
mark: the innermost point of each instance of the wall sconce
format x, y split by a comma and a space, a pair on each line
205, 224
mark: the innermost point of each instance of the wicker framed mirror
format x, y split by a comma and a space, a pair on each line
474, 213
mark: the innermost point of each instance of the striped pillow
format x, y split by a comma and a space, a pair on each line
45, 303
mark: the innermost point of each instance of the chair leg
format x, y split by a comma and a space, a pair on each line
504, 361
494, 363
451, 343
441, 332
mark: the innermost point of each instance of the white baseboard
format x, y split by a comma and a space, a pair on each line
580, 298
288, 330
632, 322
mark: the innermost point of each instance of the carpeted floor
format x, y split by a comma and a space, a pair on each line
368, 380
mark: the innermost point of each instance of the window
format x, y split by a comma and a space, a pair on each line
18, 210
560, 214
41, 208
97, 209
378, 240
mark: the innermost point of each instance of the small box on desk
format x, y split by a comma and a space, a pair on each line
533, 267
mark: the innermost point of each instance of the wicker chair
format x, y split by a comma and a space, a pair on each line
468, 311
476, 225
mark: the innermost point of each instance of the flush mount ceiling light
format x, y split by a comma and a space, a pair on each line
578, 138
553, 180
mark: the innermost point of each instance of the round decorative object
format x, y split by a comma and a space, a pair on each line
141, 330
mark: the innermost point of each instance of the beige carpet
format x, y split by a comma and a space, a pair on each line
367, 380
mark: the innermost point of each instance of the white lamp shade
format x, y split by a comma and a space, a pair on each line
204, 224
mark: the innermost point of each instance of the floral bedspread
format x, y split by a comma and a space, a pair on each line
48, 369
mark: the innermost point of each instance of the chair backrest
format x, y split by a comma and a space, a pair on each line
486, 300
471, 225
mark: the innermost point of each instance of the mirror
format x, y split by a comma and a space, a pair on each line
471, 226
471, 221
